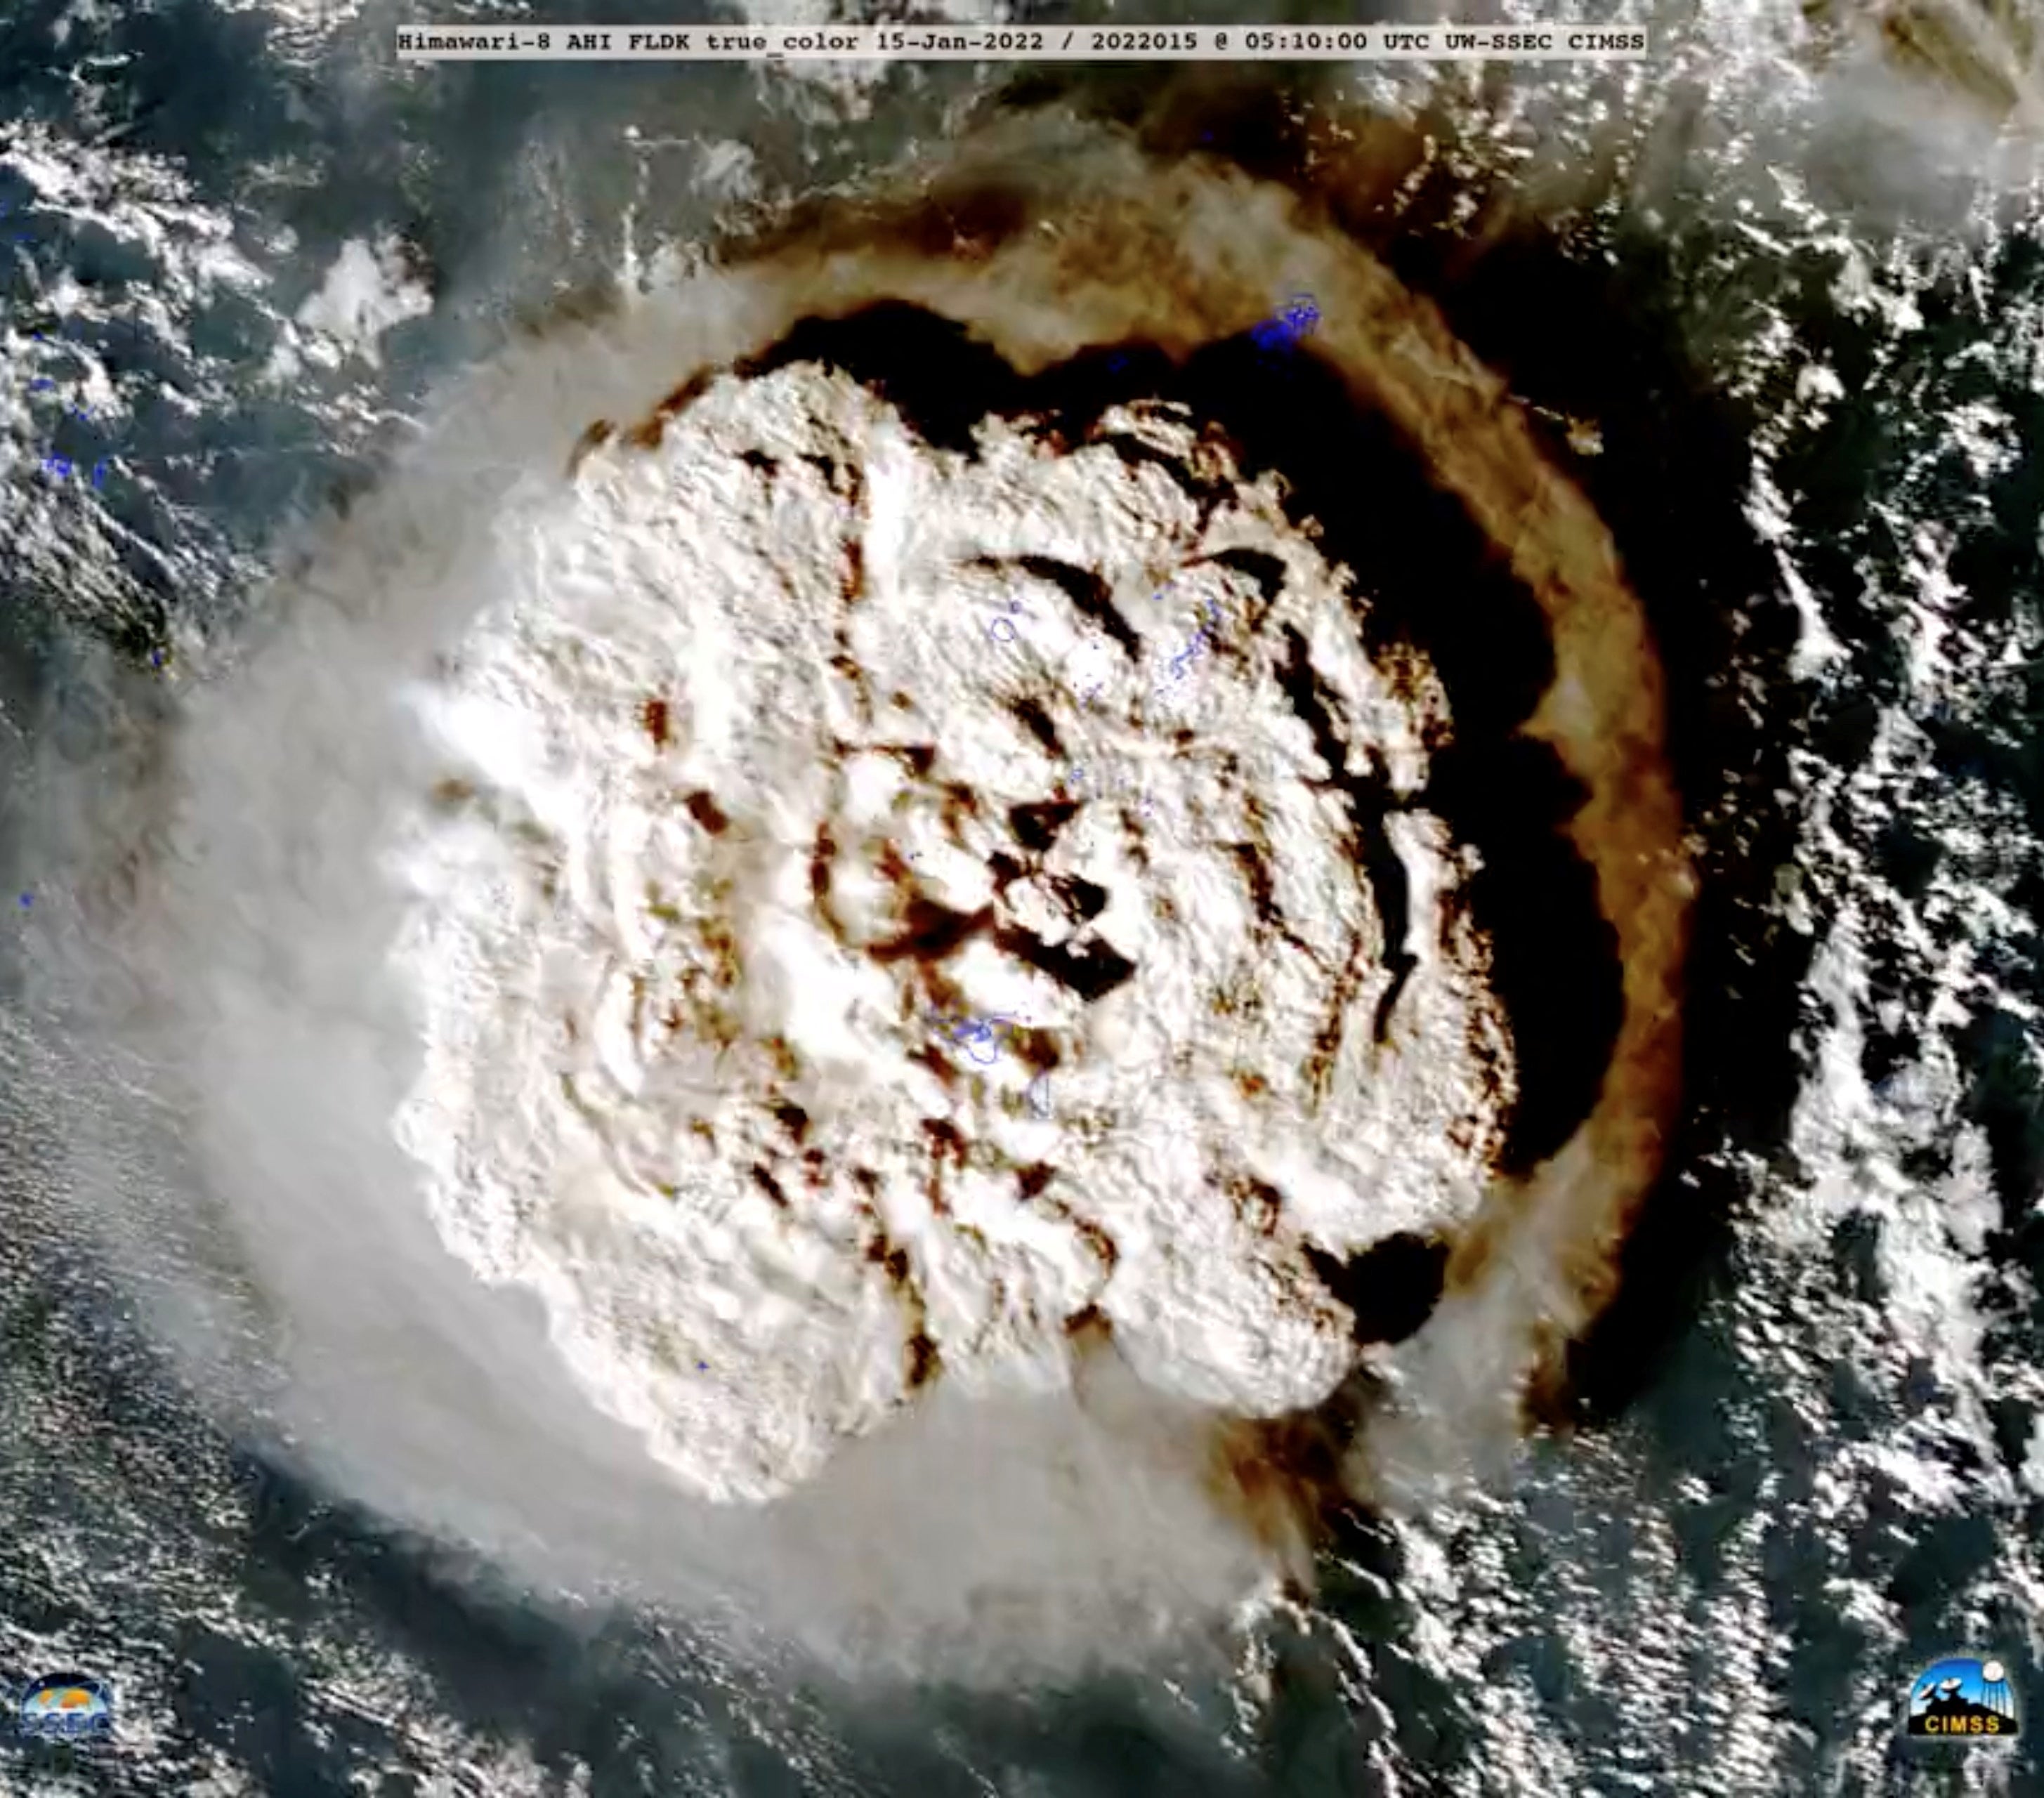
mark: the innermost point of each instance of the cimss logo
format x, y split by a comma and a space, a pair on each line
1959, 1696
68, 1708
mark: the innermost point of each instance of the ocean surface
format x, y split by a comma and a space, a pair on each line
1798, 290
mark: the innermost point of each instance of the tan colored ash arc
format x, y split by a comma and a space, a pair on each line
1043, 261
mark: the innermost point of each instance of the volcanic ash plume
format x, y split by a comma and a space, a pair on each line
906, 875
862, 941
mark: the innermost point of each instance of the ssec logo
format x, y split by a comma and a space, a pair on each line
72, 1708
1961, 1696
